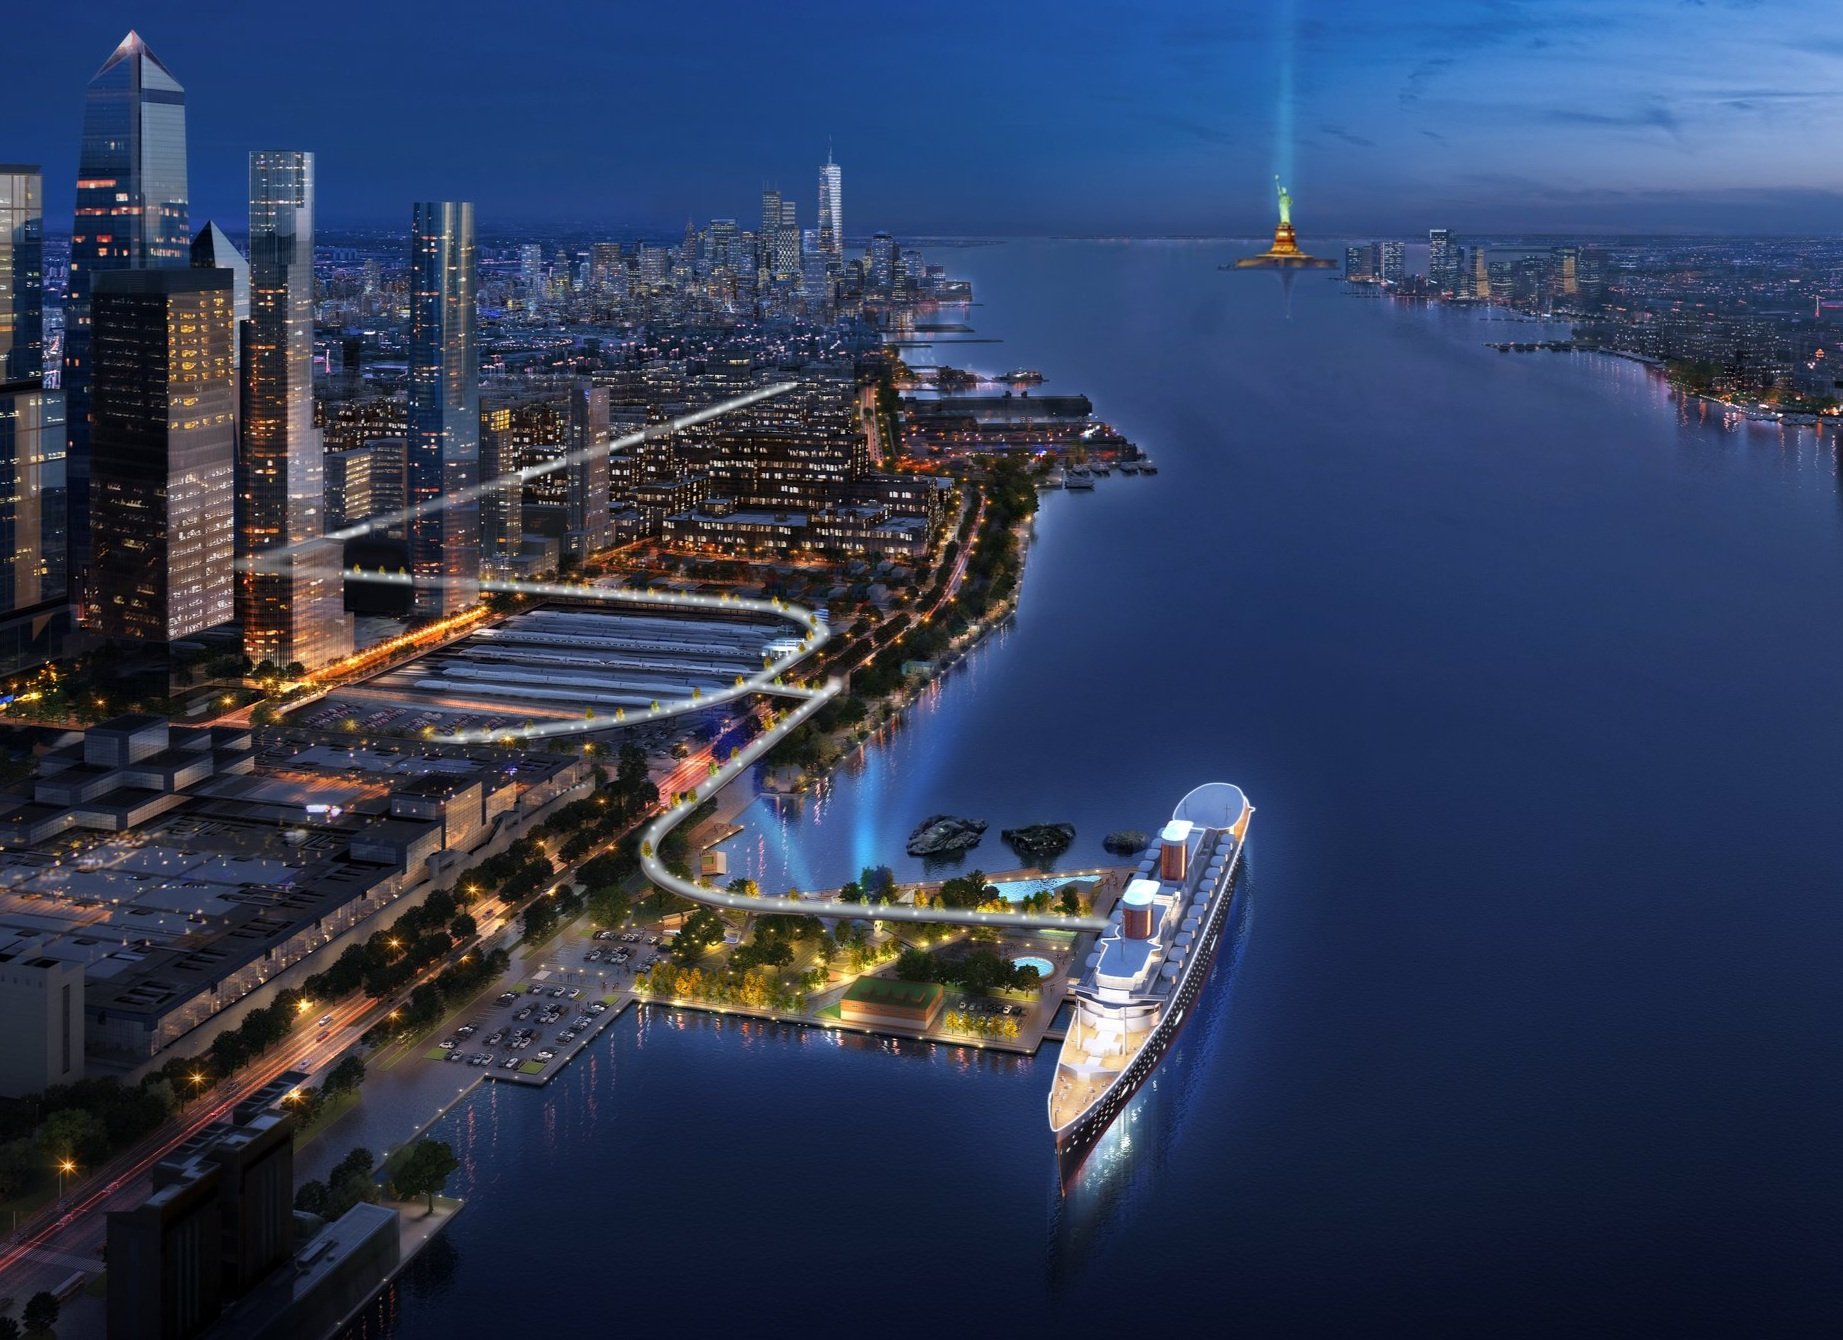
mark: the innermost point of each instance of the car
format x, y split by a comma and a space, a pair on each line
449, 1044
508, 998
452, 1056
556, 993
596, 1007
510, 1063
325, 1019
497, 1038
466, 1030
593, 956
574, 992
547, 1055
525, 1013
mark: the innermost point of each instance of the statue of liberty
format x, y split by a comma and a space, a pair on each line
1286, 201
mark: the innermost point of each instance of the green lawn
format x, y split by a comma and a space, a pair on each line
434, 1054
532, 1068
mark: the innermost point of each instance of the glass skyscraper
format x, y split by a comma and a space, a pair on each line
444, 409
290, 594
163, 442
832, 210
132, 213
34, 614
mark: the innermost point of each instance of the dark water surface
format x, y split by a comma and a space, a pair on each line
1530, 1023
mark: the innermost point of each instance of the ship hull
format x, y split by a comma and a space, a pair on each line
1077, 1140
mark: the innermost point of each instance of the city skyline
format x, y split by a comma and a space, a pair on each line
1497, 116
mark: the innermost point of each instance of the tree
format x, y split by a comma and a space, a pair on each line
74, 1134
426, 1170
463, 927
41, 1312
9, 1329
346, 1076
312, 1198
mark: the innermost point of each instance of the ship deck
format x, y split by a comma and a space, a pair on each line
1089, 1064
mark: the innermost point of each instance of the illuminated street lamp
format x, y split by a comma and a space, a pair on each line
65, 1168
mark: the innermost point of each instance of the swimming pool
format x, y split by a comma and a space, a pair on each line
1043, 966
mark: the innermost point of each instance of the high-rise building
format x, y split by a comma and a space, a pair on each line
444, 409
604, 264
882, 256
831, 209
765, 240
212, 249
34, 608
1442, 258
586, 529
163, 451
290, 596
132, 213
502, 506
787, 243
1360, 264
1390, 262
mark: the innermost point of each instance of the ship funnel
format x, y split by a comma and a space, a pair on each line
1136, 908
1174, 852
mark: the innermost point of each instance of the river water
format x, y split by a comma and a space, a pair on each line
1530, 1017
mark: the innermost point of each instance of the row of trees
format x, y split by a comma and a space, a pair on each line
759, 988
422, 1170
981, 1025
980, 968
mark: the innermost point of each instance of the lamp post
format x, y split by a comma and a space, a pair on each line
65, 1168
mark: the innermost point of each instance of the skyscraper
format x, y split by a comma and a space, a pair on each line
290, 603
212, 249
586, 524
787, 243
771, 226
132, 213
1390, 262
831, 209
34, 614
163, 450
444, 409
1442, 258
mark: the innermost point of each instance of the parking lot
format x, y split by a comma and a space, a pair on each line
529, 1031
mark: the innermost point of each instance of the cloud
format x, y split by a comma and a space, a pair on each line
1420, 76
1338, 132
1653, 115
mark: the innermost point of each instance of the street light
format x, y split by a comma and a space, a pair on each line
65, 1168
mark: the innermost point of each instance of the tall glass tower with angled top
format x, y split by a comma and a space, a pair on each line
831, 210
132, 214
290, 598
444, 410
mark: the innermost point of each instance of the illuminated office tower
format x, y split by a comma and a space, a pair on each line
832, 210
765, 243
212, 249
787, 243
1442, 258
290, 594
586, 500
34, 608
163, 451
1390, 262
502, 505
444, 410
882, 262
131, 214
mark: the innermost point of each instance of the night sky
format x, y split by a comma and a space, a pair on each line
1080, 117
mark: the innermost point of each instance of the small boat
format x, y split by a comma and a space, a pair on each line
1080, 479
1128, 467
1147, 468
1100, 469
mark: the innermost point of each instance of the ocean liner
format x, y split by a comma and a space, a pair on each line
1143, 976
